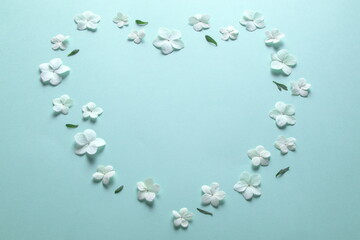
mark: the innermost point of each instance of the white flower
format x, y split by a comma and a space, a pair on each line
252, 20
104, 173
285, 144
273, 37
91, 110
87, 142
59, 41
121, 20
283, 61
259, 156
168, 40
53, 71
212, 194
182, 217
300, 87
199, 21
229, 32
248, 185
283, 114
147, 190
137, 36
62, 104
87, 20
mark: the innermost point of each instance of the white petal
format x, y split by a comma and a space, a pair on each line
62, 70
176, 214
81, 150
90, 135
46, 76
206, 198
141, 186
166, 48
240, 186
198, 26
177, 222
141, 195
193, 20
98, 176
155, 188
55, 63
99, 142
150, 196
220, 195
215, 202
287, 70
149, 183
256, 161
255, 191
81, 25
276, 65
177, 44
159, 42
164, 33
55, 80
255, 180
184, 223
250, 26
92, 149
206, 189
248, 193
80, 139
281, 120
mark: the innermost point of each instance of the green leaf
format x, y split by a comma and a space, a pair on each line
75, 51
139, 22
119, 189
71, 125
280, 86
210, 40
282, 171
204, 212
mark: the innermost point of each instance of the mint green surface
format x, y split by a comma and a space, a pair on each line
185, 119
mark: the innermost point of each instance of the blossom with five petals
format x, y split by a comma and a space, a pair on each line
212, 194
283, 61
87, 142
248, 185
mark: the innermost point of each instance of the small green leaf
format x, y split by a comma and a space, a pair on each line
204, 212
75, 51
119, 189
282, 171
210, 40
139, 22
280, 86
71, 125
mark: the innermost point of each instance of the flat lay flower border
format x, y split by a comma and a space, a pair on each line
169, 41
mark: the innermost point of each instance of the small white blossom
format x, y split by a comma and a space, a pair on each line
147, 190
199, 22
87, 20
259, 156
168, 40
300, 87
285, 144
273, 37
62, 104
212, 194
248, 185
91, 110
182, 217
104, 174
283, 61
87, 142
229, 32
59, 41
283, 114
121, 20
137, 36
252, 20
53, 71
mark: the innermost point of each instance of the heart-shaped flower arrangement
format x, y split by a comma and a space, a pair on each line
169, 41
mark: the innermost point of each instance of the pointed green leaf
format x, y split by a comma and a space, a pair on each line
71, 125
280, 86
119, 189
204, 212
139, 22
210, 40
73, 52
282, 171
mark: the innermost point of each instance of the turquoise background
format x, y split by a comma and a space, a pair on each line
185, 119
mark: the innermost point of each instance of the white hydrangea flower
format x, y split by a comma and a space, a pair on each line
121, 20
137, 36
199, 22
252, 20
285, 144
273, 37
168, 40
91, 110
62, 104
300, 87
59, 41
248, 185
104, 174
147, 190
259, 156
283, 114
87, 142
53, 71
212, 194
182, 217
229, 32
87, 20
283, 61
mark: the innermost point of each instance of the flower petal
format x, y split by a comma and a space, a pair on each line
248, 193
240, 186
281, 120
255, 180
92, 149
81, 150
55, 63
206, 198
164, 33
98, 176
166, 48
99, 142
177, 222
80, 139
177, 44
90, 135
150, 196
62, 70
